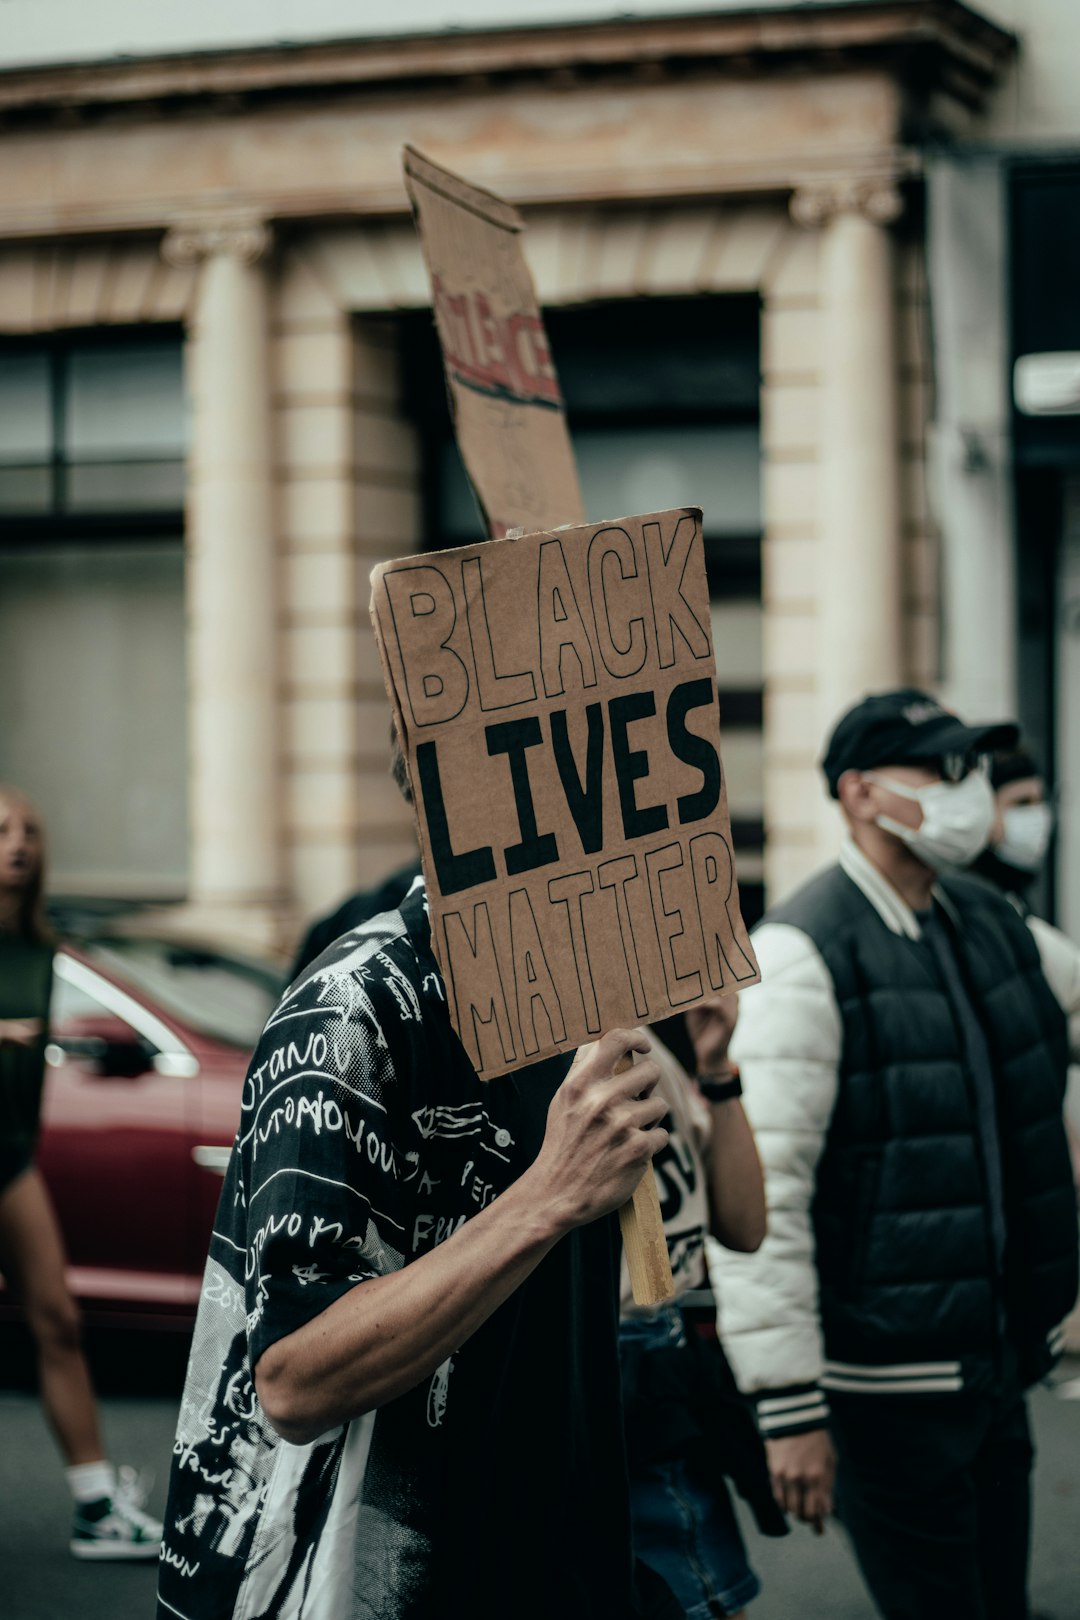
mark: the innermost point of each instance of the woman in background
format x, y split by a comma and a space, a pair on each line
108, 1521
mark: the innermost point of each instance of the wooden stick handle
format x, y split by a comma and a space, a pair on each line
643, 1235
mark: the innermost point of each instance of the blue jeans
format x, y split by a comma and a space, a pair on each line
684, 1522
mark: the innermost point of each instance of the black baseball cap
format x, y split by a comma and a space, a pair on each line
1012, 765
906, 728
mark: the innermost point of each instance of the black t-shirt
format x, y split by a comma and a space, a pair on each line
25, 988
937, 934
495, 1488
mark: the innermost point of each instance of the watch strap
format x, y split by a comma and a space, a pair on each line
720, 1088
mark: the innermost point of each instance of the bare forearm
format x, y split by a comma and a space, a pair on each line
389, 1334
736, 1183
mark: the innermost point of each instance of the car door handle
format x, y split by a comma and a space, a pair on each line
212, 1158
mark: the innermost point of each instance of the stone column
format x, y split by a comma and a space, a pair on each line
859, 583
967, 254
232, 596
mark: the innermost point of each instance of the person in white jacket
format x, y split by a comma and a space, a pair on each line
903, 1063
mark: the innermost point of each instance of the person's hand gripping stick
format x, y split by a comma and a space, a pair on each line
602, 1132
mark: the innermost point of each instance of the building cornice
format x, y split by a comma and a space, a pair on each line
241, 237
874, 194
940, 45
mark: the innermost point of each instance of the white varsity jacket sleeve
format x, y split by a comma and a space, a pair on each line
787, 1046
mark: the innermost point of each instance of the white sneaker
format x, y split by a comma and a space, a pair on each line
116, 1526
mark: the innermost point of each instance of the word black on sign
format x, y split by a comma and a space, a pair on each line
556, 697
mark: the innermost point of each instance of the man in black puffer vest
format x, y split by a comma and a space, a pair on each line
903, 1063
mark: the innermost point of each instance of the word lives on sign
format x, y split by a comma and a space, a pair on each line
556, 699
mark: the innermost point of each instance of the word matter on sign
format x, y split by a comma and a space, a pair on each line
556, 698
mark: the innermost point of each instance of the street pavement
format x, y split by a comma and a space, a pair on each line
804, 1578
139, 1377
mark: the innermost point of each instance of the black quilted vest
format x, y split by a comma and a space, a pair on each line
900, 1216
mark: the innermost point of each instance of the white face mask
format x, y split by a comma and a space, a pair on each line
956, 823
1027, 836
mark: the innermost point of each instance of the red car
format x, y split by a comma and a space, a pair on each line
149, 1043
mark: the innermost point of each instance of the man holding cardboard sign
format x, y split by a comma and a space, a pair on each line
403, 1393
406, 1340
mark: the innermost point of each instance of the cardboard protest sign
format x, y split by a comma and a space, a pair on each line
508, 412
556, 697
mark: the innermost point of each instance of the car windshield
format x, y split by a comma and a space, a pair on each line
228, 998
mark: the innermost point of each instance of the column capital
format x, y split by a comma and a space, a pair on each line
874, 197
244, 237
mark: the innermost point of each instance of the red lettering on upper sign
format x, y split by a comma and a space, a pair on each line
506, 357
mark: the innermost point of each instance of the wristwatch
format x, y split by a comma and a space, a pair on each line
720, 1088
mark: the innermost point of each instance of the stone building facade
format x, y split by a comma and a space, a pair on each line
251, 201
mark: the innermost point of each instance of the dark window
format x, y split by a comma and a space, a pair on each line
92, 669
89, 428
1045, 318
662, 398
1045, 254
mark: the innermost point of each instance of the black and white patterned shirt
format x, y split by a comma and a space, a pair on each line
495, 1488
